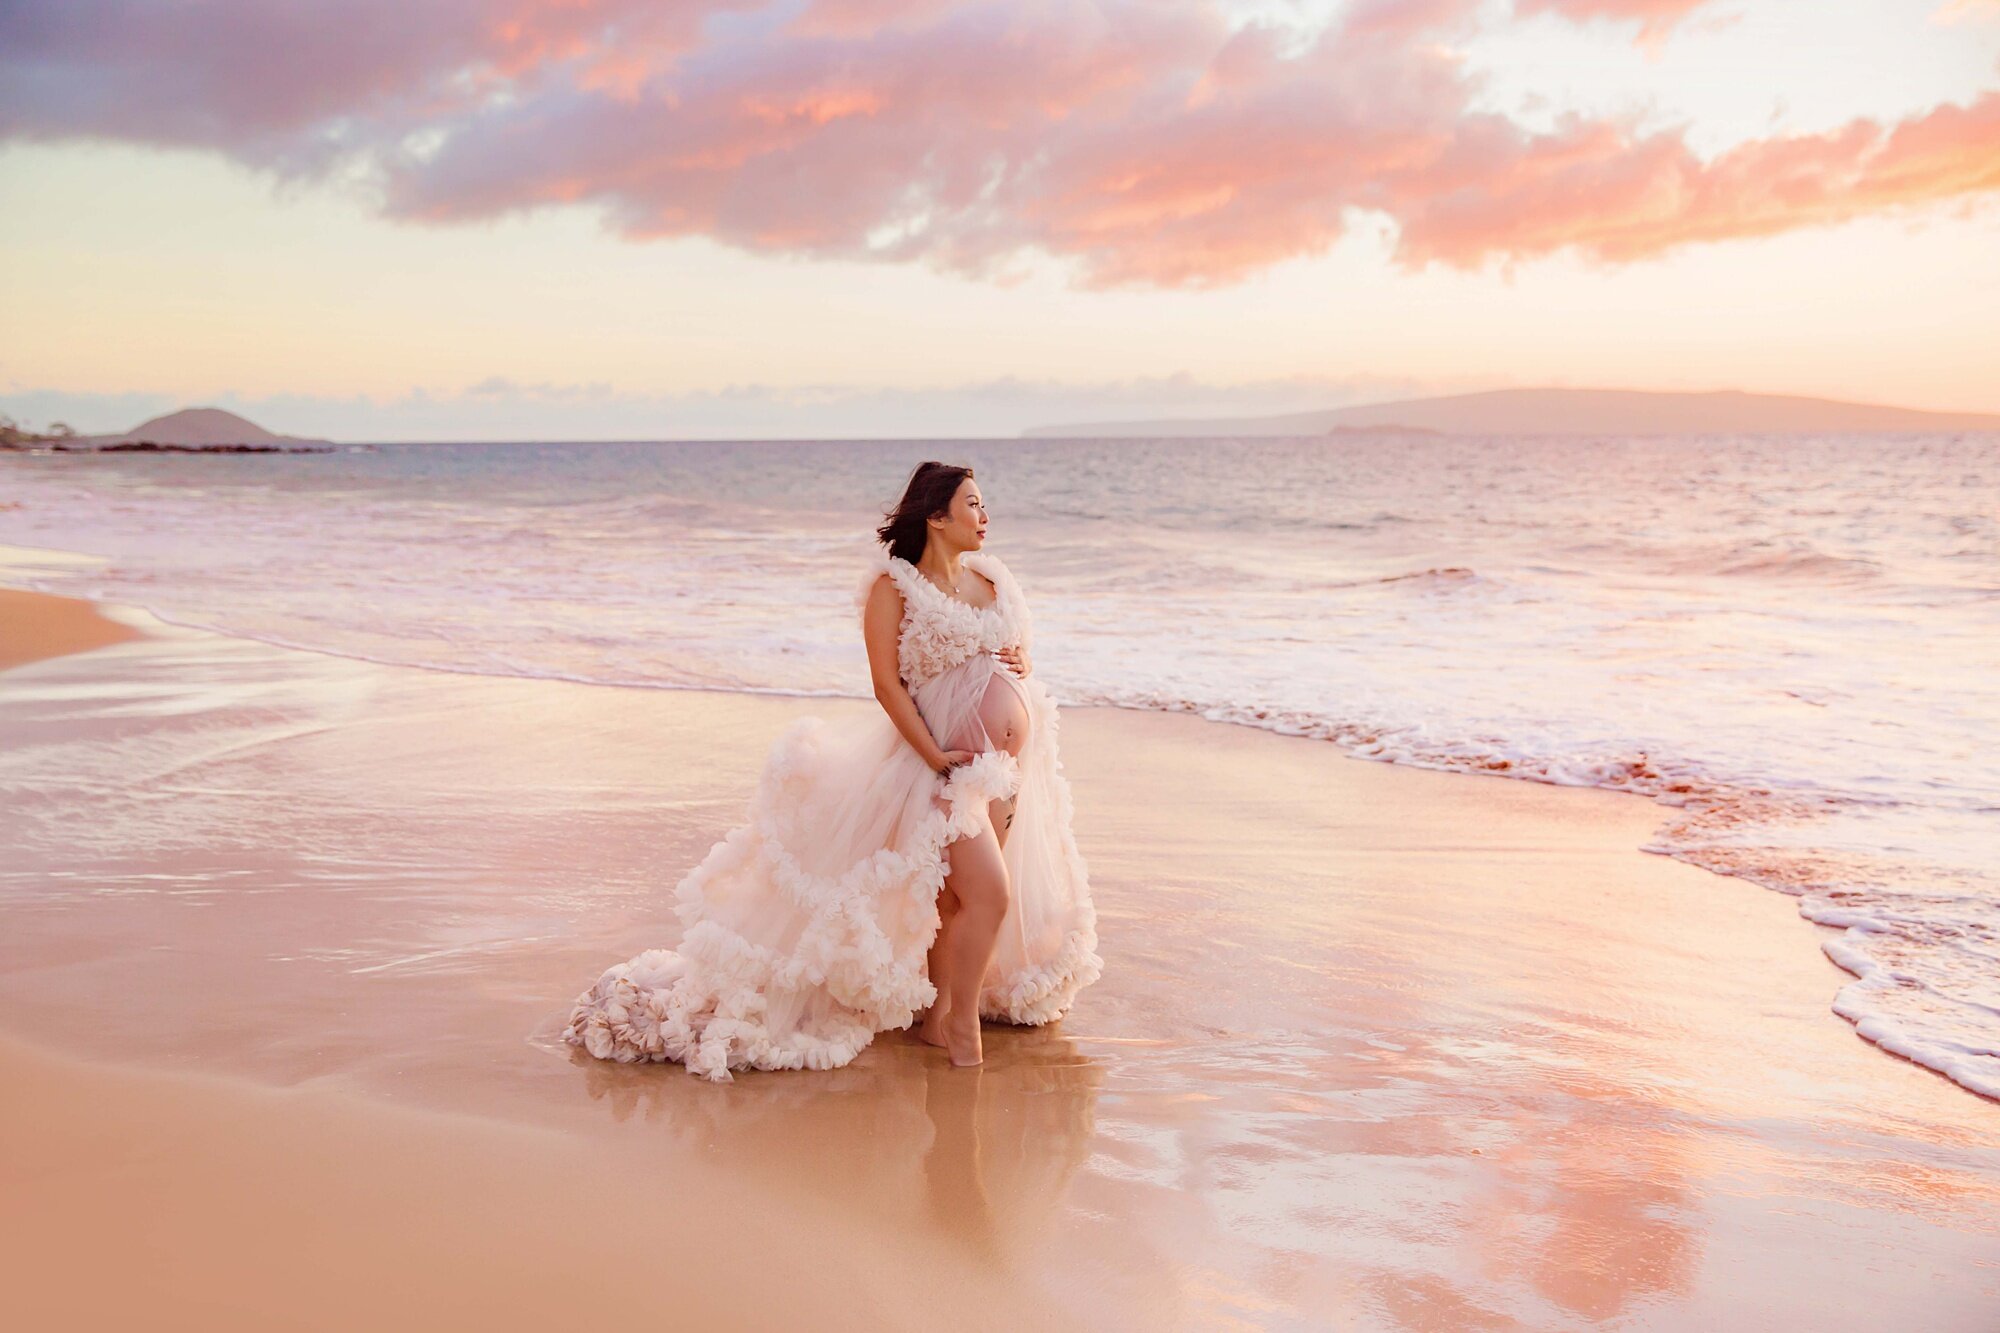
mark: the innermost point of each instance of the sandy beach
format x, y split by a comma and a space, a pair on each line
37, 625
286, 941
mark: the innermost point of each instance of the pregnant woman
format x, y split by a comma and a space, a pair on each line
913, 866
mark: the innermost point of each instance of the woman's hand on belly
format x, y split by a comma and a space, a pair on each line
1015, 656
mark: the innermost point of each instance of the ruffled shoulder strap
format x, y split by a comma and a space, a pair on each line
878, 563
1012, 603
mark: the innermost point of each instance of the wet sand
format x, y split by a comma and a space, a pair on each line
35, 625
189, 1201
286, 942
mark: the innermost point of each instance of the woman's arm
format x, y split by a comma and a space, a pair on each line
881, 623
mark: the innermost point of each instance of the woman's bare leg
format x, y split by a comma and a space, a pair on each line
930, 1024
1001, 812
1003, 719
978, 880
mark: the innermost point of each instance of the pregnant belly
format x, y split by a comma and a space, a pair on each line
1003, 712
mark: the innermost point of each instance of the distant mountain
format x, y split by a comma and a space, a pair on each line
195, 430
1562, 412
200, 427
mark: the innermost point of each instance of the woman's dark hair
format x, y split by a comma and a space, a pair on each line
928, 494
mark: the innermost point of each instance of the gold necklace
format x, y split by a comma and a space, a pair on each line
952, 592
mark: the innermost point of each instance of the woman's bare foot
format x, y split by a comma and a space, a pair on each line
961, 1040
930, 1028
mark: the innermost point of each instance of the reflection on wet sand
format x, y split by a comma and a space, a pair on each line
954, 1173
1576, 1191
1005, 1143
983, 1156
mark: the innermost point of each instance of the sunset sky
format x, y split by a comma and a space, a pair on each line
591, 219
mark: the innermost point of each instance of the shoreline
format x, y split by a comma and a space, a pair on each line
58, 625
1375, 1045
1734, 826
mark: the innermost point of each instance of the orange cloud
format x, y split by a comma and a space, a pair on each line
1620, 198
1960, 11
1654, 17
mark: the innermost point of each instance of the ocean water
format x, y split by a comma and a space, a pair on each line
1791, 644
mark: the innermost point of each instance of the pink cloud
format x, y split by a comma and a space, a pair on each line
859, 18
1620, 198
1654, 17
291, 85
1148, 142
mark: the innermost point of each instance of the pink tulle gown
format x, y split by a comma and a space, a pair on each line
804, 931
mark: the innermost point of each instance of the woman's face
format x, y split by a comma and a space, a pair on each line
964, 524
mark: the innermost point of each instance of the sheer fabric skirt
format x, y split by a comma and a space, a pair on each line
805, 930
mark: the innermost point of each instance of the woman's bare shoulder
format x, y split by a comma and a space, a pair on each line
884, 600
